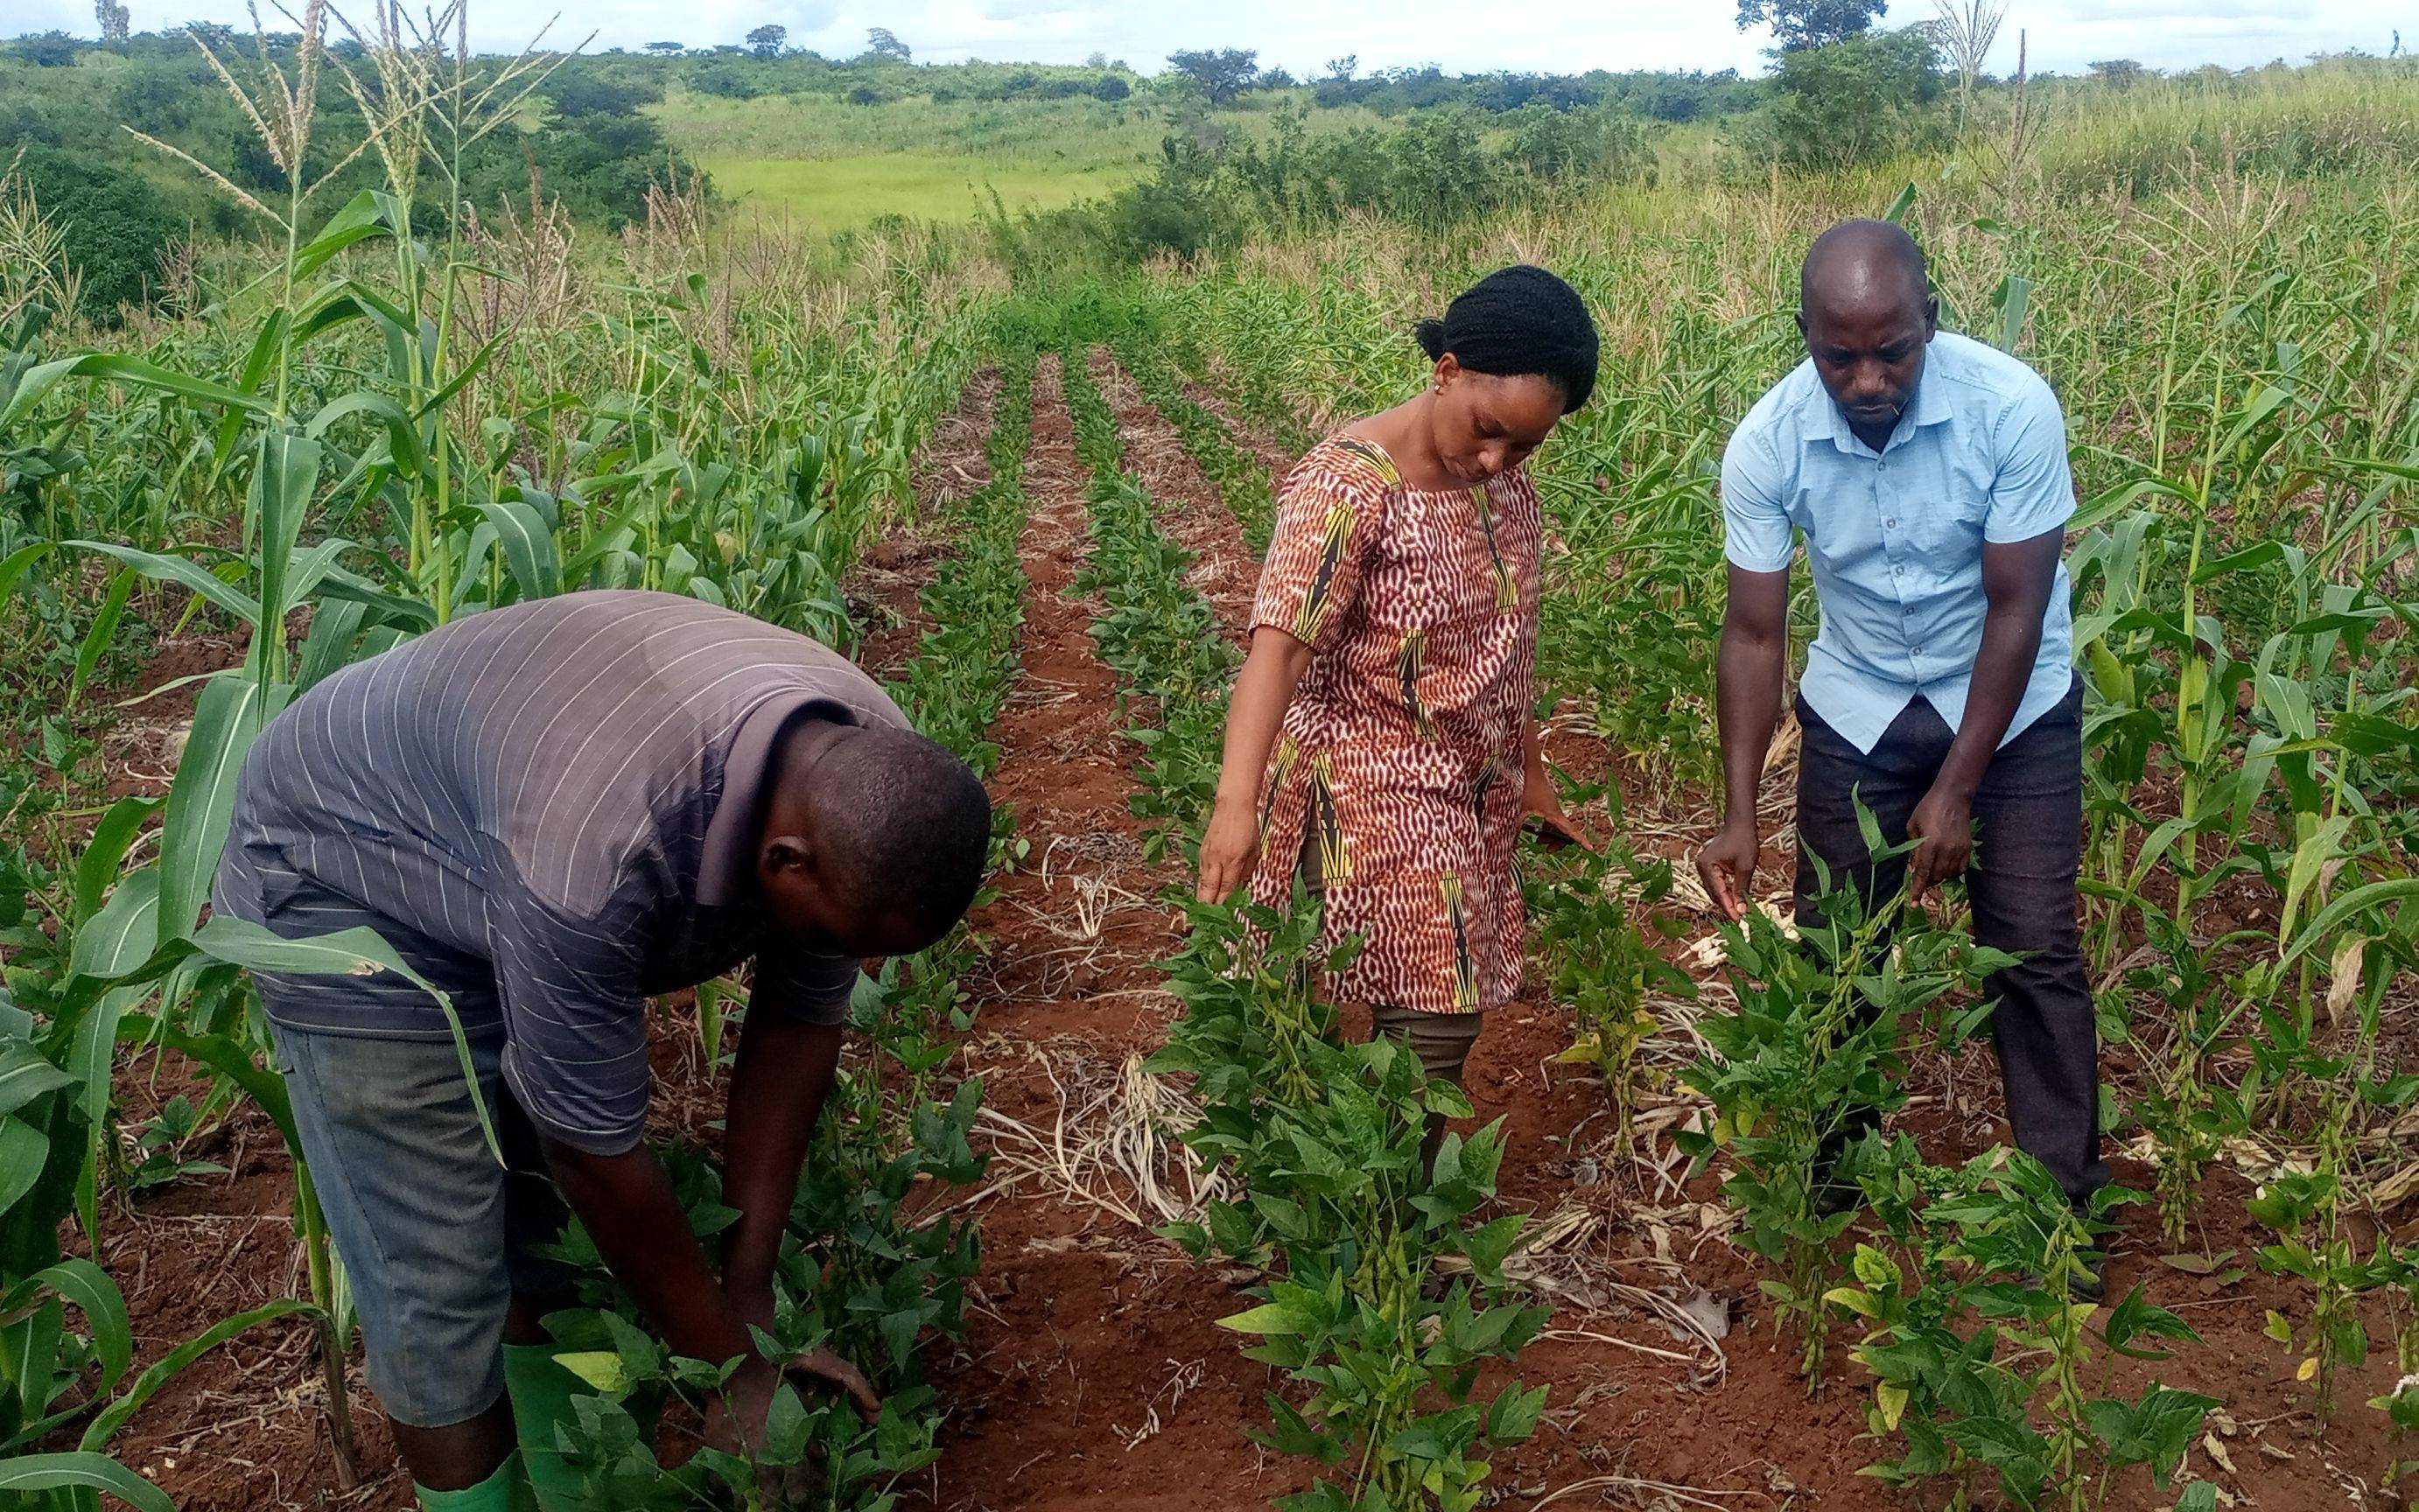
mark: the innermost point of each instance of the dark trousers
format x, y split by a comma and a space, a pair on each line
2027, 851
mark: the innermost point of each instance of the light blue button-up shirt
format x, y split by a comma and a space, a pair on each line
1895, 538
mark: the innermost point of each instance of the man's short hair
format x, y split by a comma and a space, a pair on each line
910, 826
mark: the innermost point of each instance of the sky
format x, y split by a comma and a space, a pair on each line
1560, 36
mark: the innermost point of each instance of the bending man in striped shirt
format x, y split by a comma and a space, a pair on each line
552, 811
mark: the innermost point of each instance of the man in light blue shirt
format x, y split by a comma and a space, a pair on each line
1929, 475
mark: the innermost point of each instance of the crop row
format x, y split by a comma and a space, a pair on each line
1340, 1211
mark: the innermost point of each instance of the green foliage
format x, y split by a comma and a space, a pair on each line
1978, 1353
156, 1160
1814, 1038
1599, 146
46, 50
1221, 72
1324, 1140
115, 223
1848, 103
1799, 24
1591, 929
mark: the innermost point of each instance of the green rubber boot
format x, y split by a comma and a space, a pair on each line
506, 1491
541, 1392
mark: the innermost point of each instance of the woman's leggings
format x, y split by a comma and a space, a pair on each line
1441, 1040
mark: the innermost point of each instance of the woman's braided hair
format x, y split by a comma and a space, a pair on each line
1519, 320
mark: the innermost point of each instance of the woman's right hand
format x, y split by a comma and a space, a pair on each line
1230, 849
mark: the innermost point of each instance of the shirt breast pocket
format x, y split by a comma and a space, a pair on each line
1948, 532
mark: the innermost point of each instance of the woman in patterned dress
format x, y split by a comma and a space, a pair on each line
1380, 742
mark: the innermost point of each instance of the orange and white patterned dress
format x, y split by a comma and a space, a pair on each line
1401, 758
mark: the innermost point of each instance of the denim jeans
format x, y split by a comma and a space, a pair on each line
2027, 853
436, 1233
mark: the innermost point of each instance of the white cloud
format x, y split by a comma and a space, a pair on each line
1562, 35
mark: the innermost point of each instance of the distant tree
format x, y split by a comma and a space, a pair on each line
1343, 68
666, 49
865, 94
117, 22
1097, 60
1109, 86
1674, 102
1222, 73
766, 40
586, 93
883, 43
1855, 100
1275, 79
50, 50
1803, 24
1555, 145
2118, 72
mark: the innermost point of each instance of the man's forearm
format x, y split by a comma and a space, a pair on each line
784, 1071
2003, 669
1748, 671
631, 1212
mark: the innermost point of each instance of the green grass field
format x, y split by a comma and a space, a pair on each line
842, 194
832, 165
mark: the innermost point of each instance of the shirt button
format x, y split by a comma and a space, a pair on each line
1891, 523
1898, 572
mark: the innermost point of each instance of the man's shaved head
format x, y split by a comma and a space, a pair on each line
1867, 312
1862, 263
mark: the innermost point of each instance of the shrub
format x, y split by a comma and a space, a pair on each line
116, 226
1853, 101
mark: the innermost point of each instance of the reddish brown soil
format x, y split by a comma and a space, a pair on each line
881, 588
1095, 1373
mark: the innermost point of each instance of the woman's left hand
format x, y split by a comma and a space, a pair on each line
1555, 828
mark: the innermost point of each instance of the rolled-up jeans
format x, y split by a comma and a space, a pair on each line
437, 1234
2027, 853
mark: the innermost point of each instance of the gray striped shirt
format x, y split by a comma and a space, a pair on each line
551, 811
